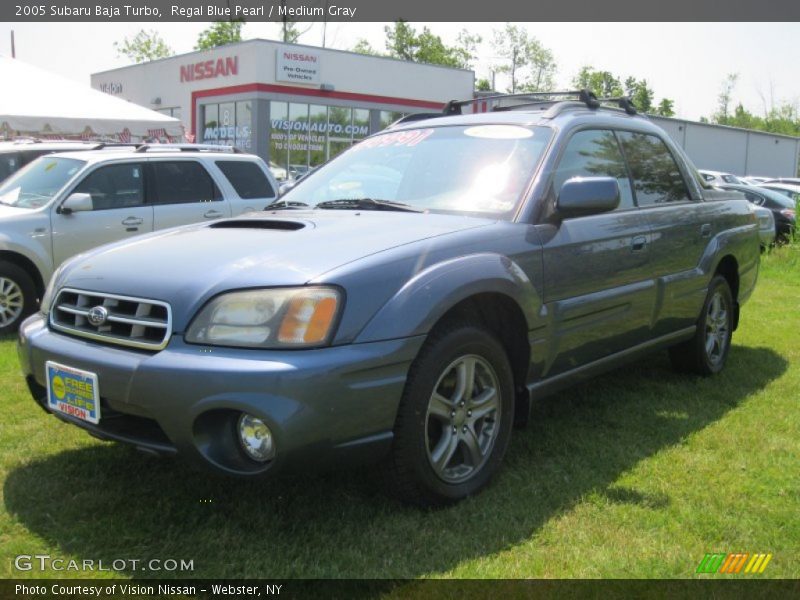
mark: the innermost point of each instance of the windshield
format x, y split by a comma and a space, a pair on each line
35, 185
480, 169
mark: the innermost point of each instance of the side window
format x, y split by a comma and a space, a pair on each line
656, 176
754, 198
594, 153
182, 182
246, 178
9, 163
114, 186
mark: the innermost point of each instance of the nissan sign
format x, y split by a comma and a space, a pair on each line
209, 69
297, 66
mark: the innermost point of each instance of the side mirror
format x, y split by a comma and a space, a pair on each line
285, 187
77, 202
587, 196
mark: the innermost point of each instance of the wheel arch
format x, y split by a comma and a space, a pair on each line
27, 265
728, 267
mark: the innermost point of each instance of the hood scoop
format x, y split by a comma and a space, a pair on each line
271, 224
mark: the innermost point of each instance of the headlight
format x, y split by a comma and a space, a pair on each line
272, 318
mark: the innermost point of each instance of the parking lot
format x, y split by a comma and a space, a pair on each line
637, 474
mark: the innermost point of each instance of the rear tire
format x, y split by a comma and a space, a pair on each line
17, 297
705, 354
455, 418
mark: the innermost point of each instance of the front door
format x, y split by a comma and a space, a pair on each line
118, 211
598, 291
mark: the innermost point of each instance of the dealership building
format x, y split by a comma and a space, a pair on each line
297, 106
293, 105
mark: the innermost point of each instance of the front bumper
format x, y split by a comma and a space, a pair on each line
324, 406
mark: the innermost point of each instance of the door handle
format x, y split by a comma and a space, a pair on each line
638, 243
212, 214
705, 230
132, 221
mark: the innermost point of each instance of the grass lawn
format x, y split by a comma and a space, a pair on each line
636, 474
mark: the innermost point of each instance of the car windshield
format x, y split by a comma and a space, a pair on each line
481, 169
35, 185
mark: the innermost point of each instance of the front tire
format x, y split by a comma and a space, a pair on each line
455, 418
17, 297
706, 353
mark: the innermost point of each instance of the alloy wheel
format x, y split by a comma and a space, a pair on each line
463, 418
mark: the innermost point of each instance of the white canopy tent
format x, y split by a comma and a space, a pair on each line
36, 102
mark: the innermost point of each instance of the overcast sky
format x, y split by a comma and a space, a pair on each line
683, 61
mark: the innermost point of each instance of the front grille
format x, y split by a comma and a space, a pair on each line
126, 321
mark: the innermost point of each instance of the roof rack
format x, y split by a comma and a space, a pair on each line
189, 148
556, 101
586, 96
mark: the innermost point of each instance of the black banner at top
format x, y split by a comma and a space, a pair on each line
391, 10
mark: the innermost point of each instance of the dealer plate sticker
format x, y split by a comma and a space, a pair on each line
73, 392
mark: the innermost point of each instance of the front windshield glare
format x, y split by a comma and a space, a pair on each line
35, 185
477, 169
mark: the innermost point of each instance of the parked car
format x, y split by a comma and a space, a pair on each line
789, 180
752, 180
18, 153
789, 190
278, 172
63, 204
766, 226
718, 177
783, 209
518, 252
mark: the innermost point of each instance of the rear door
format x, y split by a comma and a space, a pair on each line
251, 188
183, 192
119, 211
597, 285
682, 224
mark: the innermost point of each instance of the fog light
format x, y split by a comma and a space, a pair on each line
256, 438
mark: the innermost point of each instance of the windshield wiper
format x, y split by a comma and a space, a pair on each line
367, 204
284, 205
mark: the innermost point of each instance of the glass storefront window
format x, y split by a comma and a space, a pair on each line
278, 139
244, 125
360, 123
298, 140
211, 112
317, 134
389, 116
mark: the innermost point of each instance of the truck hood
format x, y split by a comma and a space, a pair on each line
185, 266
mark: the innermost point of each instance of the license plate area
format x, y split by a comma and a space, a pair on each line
73, 392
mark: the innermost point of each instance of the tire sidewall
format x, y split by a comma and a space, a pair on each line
426, 373
26, 285
718, 284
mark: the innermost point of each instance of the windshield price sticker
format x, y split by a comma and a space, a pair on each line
399, 138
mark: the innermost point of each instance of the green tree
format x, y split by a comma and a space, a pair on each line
290, 34
144, 46
666, 108
603, 83
642, 97
725, 98
219, 34
364, 47
530, 66
483, 85
406, 43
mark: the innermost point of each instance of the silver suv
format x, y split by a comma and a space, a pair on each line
66, 203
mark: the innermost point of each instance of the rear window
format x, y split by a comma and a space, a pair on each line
246, 178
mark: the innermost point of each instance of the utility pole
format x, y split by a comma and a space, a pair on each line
325, 23
13, 46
